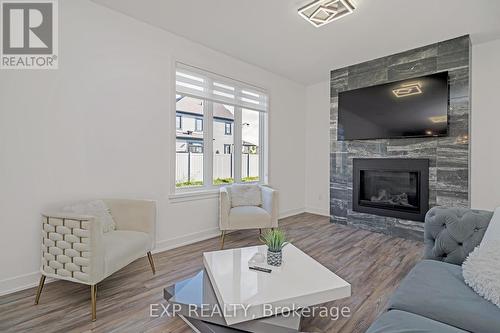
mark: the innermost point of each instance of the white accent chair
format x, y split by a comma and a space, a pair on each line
75, 248
252, 216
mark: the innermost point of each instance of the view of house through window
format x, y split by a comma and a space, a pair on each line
223, 157
250, 132
189, 142
219, 130
178, 122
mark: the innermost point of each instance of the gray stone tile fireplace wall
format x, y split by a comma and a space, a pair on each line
448, 156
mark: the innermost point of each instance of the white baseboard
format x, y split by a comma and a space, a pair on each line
173, 243
312, 210
318, 211
21, 282
291, 212
30, 280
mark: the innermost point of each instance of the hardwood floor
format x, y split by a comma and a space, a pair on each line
373, 263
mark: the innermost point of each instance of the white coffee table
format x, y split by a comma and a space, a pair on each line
300, 282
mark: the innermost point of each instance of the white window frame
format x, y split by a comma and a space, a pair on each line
208, 188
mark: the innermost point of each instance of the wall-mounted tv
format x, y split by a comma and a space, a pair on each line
416, 107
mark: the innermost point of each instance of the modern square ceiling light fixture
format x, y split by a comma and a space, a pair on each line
321, 12
408, 89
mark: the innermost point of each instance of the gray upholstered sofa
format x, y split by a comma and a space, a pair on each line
433, 297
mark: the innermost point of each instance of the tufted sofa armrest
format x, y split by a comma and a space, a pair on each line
72, 247
450, 234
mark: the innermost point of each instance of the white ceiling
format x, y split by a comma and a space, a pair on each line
271, 35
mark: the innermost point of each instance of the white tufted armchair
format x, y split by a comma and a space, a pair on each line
75, 248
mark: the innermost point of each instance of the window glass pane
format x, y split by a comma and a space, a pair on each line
178, 122
228, 128
189, 143
198, 125
250, 130
223, 144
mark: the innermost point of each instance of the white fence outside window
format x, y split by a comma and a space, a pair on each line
189, 166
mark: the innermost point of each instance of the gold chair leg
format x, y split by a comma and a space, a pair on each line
222, 239
39, 290
93, 299
151, 262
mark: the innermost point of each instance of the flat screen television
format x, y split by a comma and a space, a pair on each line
416, 107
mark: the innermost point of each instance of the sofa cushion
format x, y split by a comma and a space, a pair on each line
248, 217
245, 195
436, 290
481, 269
121, 247
492, 234
396, 321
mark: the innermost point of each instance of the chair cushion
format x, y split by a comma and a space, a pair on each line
121, 247
396, 321
249, 217
245, 195
95, 208
437, 290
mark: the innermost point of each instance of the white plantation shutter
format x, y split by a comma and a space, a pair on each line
194, 82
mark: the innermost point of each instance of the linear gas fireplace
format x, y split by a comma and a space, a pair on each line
394, 187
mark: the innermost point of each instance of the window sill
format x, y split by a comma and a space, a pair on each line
191, 195
202, 193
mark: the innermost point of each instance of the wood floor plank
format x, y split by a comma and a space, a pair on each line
373, 263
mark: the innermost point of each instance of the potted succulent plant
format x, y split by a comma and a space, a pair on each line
275, 240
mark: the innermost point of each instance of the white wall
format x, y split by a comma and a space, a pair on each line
485, 135
318, 148
99, 127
